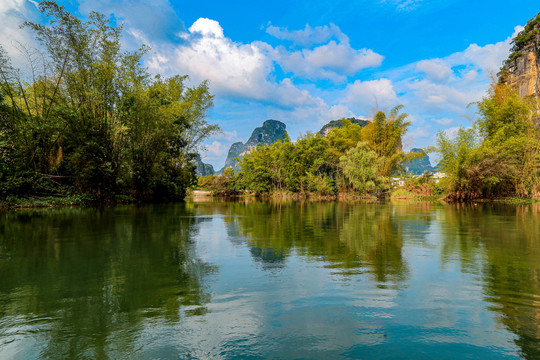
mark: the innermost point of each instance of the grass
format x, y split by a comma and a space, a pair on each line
516, 200
13, 202
402, 194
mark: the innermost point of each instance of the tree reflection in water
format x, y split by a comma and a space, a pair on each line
94, 277
351, 237
501, 243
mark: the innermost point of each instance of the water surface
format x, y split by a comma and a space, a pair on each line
278, 280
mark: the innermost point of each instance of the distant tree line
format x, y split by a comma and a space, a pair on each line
87, 118
348, 159
497, 157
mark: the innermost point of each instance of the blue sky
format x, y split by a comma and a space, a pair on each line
308, 62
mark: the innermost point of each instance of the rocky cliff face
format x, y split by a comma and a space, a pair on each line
420, 165
341, 123
270, 132
521, 70
234, 151
203, 169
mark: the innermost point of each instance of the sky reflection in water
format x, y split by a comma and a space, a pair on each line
271, 280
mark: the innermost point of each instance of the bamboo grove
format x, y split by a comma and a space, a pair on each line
85, 117
351, 159
498, 156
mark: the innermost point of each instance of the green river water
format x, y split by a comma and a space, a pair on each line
271, 280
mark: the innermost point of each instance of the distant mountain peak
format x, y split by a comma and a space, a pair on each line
341, 123
270, 132
420, 165
201, 168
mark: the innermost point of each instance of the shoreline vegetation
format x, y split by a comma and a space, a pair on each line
82, 121
397, 195
497, 158
86, 124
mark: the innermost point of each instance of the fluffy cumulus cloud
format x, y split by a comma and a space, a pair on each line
309, 35
12, 14
231, 136
366, 95
247, 70
444, 121
403, 5
339, 111
488, 58
436, 69
233, 69
333, 58
334, 61
215, 149
440, 97
156, 19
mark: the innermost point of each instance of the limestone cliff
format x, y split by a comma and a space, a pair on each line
420, 165
201, 168
341, 123
521, 70
270, 132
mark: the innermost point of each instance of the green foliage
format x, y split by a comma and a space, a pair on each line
527, 34
93, 121
342, 161
385, 136
524, 38
499, 156
361, 166
419, 186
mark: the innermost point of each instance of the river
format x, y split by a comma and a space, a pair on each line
277, 280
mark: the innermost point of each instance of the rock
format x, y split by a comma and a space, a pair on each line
341, 123
521, 70
420, 165
202, 169
270, 132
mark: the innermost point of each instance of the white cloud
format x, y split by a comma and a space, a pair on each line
470, 76
155, 19
342, 57
11, 5
403, 5
488, 58
436, 69
309, 35
12, 14
419, 133
234, 70
444, 121
339, 111
231, 136
333, 60
452, 132
207, 27
443, 97
363, 95
216, 149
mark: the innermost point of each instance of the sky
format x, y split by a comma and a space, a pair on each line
308, 62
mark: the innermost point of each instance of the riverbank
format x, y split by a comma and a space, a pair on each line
395, 195
57, 201
204, 195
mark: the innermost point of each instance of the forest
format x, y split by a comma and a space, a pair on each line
497, 157
84, 118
